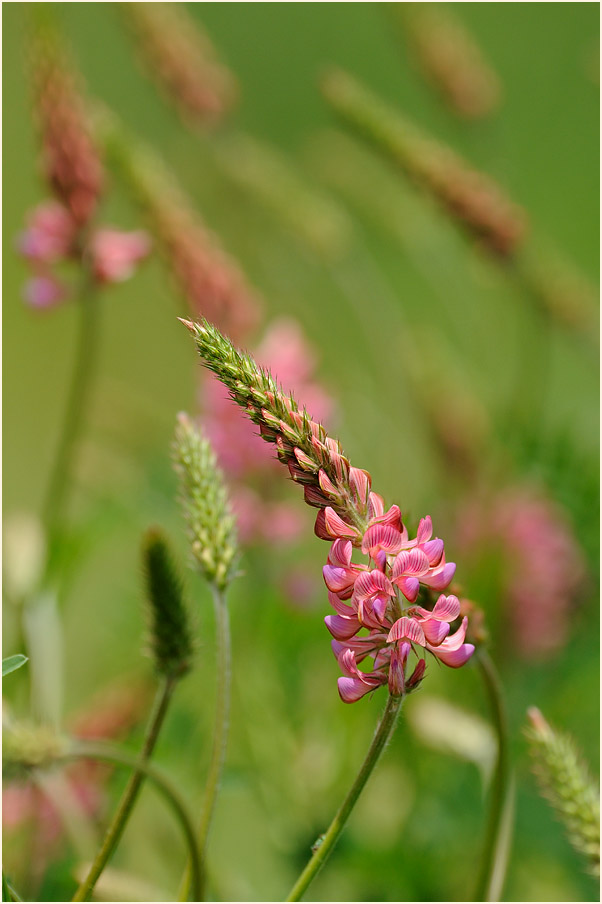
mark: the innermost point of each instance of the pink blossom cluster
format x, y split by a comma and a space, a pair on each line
378, 599
241, 451
545, 568
53, 236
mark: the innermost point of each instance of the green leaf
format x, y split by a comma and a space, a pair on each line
11, 663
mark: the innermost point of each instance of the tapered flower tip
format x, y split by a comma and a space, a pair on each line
188, 324
537, 721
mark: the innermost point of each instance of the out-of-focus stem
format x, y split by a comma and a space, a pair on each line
330, 838
129, 796
79, 392
495, 849
108, 754
220, 738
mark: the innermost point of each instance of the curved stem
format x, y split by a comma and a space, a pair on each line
113, 755
81, 382
220, 737
129, 796
324, 847
495, 849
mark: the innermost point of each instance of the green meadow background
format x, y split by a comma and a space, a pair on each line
398, 268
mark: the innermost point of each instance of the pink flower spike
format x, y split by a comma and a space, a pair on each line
115, 254
381, 537
44, 292
456, 658
407, 629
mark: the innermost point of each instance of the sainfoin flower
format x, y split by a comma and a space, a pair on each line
399, 572
380, 595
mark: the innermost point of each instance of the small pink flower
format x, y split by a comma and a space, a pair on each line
50, 233
44, 291
115, 254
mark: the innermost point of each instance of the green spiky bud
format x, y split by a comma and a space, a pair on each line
565, 782
170, 637
211, 524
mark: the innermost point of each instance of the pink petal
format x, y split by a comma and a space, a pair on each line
433, 551
337, 579
456, 640
340, 553
340, 627
352, 689
383, 537
455, 658
380, 606
360, 482
370, 583
407, 629
336, 527
425, 529
340, 607
396, 673
447, 608
376, 506
410, 562
392, 517
435, 631
440, 578
409, 587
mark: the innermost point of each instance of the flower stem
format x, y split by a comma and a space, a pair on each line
330, 838
129, 796
77, 403
109, 754
499, 825
220, 738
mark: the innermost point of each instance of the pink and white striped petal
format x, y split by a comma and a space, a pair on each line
425, 530
410, 562
440, 577
446, 609
450, 644
407, 629
370, 583
381, 537
435, 631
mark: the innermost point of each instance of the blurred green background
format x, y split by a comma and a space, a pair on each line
401, 270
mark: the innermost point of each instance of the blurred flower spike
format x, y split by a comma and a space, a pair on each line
351, 516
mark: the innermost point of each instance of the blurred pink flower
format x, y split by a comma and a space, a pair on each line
44, 291
114, 254
50, 233
544, 567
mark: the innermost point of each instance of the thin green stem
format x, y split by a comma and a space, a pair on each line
499, 824
327, 842
130, 794
109, 754
220, 738
8, 892
77, 403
